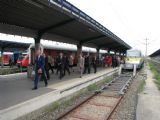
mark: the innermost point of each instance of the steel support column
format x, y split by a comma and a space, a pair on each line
98, 49
79, 50
98, 55
115, 52
37, 43
109, 51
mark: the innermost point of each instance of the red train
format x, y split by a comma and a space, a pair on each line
11, 58
6, 58
22, 60
54, 50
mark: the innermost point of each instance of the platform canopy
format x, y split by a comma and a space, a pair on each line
155, 54
10, 46
56, 20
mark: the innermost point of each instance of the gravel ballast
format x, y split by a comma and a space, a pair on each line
127, 108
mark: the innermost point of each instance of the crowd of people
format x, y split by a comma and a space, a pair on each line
112, 61
63, 63
43, 64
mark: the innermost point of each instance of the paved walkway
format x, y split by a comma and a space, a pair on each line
16, 88
148, 107
17, 98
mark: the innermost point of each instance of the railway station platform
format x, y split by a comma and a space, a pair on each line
17, 98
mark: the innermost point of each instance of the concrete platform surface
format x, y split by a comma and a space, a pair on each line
148, 107
15, 91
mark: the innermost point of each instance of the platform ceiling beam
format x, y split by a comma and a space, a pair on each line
92, 39
44, 30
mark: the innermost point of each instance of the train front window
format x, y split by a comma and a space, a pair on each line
20, 57
133, 54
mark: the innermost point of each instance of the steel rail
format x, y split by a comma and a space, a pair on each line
120, 92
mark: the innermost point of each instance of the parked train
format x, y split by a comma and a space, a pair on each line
133, 57
9, 58
6, 58
21, 58
54, 50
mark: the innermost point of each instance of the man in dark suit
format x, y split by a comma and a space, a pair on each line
87, 64
39, 69
66, 65
94, 63
60, 65
114, 61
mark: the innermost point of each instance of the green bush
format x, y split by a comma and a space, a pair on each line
141, 86
92, 87
6, 71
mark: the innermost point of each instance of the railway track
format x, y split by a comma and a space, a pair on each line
102, 104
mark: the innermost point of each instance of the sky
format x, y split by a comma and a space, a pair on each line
131, 20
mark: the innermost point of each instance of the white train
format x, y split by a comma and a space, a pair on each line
133, 57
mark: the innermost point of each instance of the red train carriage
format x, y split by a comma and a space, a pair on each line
6, 58
53, 51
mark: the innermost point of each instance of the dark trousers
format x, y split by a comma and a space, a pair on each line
71, 66
47, 74
50, 67
57, 70
38, 77
114, 64
60, 69
66, 68
61, 73
87, 68
95, 68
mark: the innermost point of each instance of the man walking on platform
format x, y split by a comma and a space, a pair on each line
114, 61
60, 63
66, 65
81, 64
94, 62
87, 64
51, 63
39, 69
46, 66
71, 61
